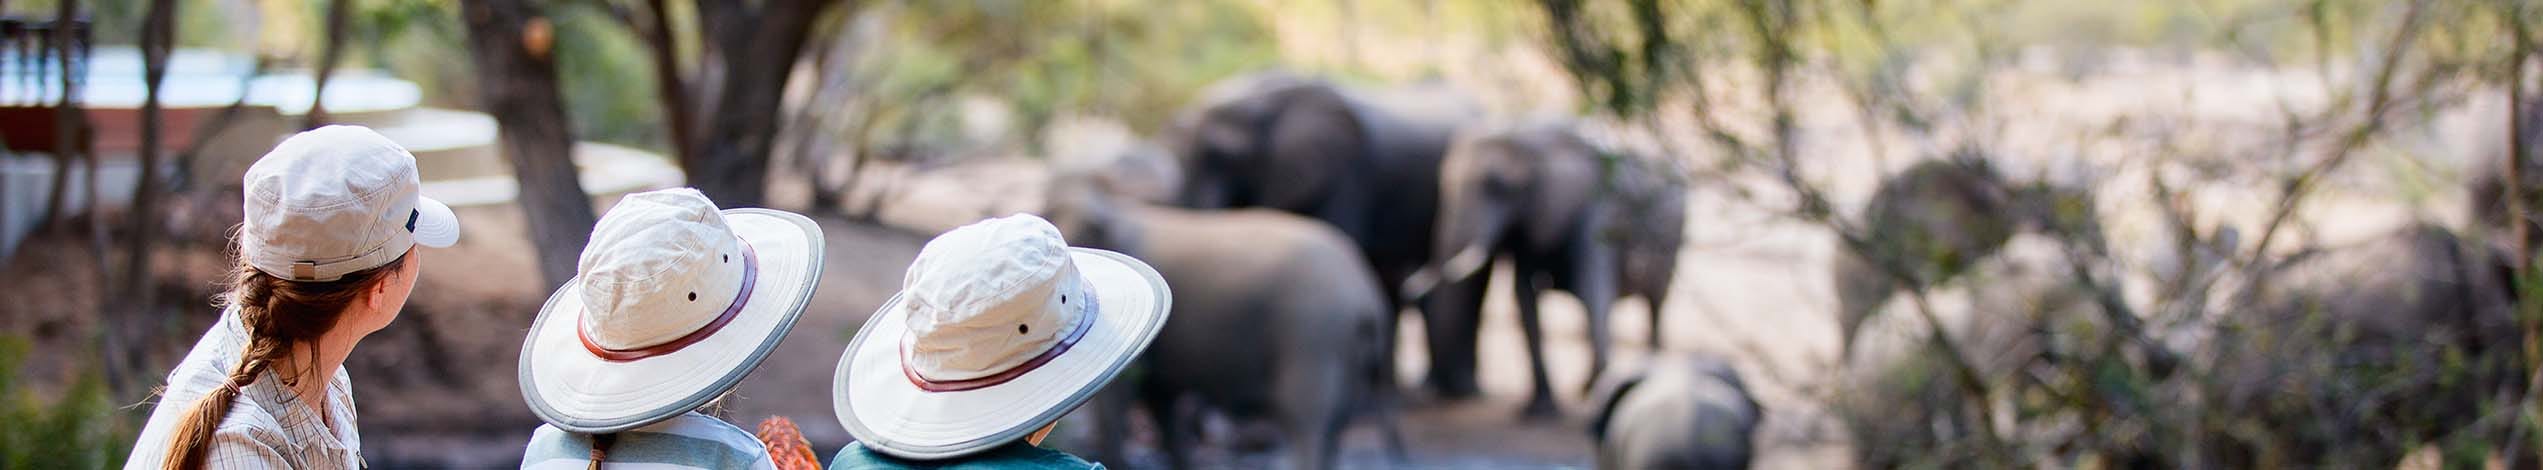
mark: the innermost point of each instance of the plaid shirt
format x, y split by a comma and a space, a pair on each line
269, 426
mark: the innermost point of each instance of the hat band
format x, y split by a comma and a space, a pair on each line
1084, 323
750, 276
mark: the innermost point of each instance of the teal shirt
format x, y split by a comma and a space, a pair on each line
1016, 454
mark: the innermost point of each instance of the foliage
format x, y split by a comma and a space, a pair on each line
606, 77
78, 429
119, 21
1925, 68
1137, 61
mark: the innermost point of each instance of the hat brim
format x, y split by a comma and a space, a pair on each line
878, 405
435, 225
570, 388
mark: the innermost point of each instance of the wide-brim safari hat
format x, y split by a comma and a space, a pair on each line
673, 303
999, 329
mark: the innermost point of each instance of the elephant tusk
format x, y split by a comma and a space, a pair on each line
1419, 284
1459, 267
1465, 263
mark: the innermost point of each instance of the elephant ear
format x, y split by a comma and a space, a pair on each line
1310, 143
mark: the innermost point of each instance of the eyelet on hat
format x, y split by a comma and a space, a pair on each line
1021, 328
693, 296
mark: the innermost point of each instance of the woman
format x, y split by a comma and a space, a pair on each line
673, 302
326, 257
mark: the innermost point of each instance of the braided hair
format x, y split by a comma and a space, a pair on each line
277, 314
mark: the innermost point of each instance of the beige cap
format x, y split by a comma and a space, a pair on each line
999, 328
335, 200
673, 303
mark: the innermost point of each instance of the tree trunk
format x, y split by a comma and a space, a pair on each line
158, 30
518, 86
815, 147
71, 122
333, 51
756, 50
667, 81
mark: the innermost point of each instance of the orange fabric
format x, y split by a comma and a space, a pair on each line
786, 445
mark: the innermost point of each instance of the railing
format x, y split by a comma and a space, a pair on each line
33, 86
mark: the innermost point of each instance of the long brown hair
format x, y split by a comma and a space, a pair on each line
278, 314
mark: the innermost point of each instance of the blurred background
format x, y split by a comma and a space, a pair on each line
1772, 233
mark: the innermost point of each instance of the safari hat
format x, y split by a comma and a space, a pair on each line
672, 303
335, 200
999, 328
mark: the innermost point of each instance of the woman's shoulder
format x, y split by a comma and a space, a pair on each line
249, 418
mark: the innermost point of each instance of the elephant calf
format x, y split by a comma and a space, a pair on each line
1276, 317
1685, 412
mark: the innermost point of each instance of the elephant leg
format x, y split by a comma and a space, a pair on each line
1594, 281
1451, 322
1654, 301
1173, 428
1655, 293
1394, 435
1387, 413
1315, 436
1541, 395
1861, 289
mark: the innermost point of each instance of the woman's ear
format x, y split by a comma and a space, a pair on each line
380, 287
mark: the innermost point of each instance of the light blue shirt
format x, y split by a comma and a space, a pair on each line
688, 441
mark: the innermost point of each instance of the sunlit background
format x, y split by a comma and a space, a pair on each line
1947, 234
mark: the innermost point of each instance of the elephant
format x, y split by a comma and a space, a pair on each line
1684, 411
1567, 215
1364, 161
2356, 353
1647, 219
1899, 395
1275, 317
1928, 224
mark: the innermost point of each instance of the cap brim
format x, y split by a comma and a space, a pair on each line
878, 405
570, 388
435, 225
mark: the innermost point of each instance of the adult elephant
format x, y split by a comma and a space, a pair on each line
1567, 216
1928, 224
1365, 161
1276, 320
2356, 353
